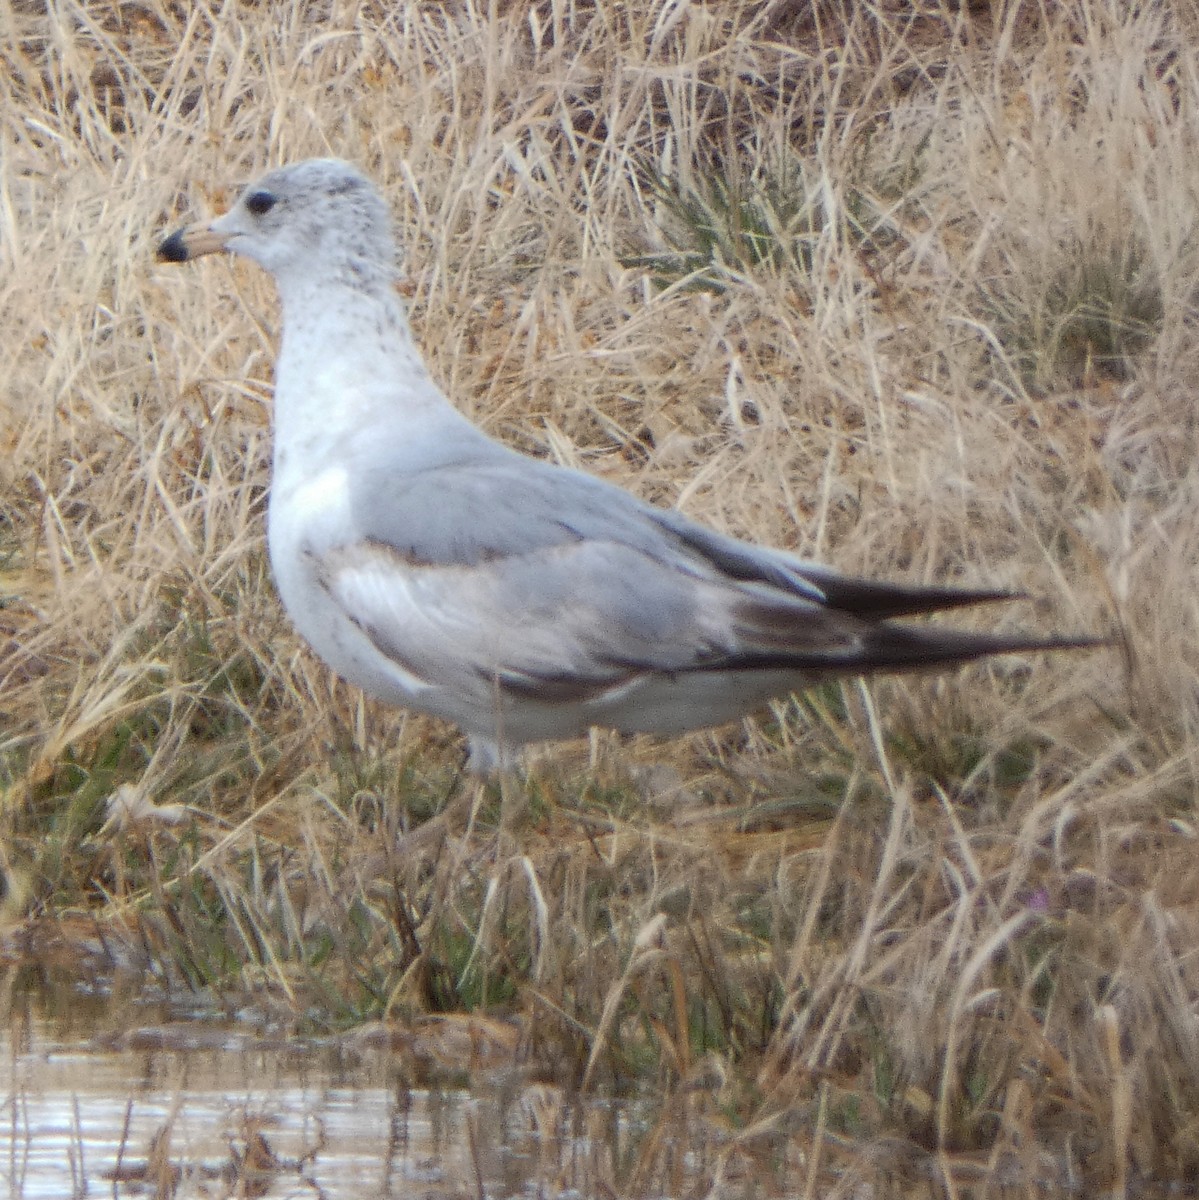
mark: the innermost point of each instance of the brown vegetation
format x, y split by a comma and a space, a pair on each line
908, 287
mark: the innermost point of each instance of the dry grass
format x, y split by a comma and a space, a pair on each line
906, 286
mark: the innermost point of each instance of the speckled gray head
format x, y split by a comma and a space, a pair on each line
311, 218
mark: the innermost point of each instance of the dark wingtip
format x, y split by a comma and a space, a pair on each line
173, 249
882, 601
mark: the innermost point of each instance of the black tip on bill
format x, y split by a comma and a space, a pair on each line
173, 249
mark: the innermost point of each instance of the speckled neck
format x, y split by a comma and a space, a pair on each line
348, 375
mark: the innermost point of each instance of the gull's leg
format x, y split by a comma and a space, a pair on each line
486, 763
493, 761
514, 804
460, 805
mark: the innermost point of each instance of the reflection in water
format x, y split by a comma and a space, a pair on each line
195, 1109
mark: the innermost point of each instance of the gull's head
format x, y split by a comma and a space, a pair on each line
307, 220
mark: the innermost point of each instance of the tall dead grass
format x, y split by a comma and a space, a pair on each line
910, 288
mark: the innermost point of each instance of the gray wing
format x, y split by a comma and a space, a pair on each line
485, 502
497, 504
491, 573
577, 621
551, 581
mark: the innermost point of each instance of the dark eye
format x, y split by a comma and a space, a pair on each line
260, 202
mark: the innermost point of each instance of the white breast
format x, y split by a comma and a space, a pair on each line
308, 519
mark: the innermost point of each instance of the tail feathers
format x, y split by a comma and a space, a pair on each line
894, 648
879, 601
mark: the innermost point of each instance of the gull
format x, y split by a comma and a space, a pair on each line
442, 571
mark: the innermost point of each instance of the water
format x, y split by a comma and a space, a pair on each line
203, 1108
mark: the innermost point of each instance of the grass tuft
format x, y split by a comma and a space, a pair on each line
908, 288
